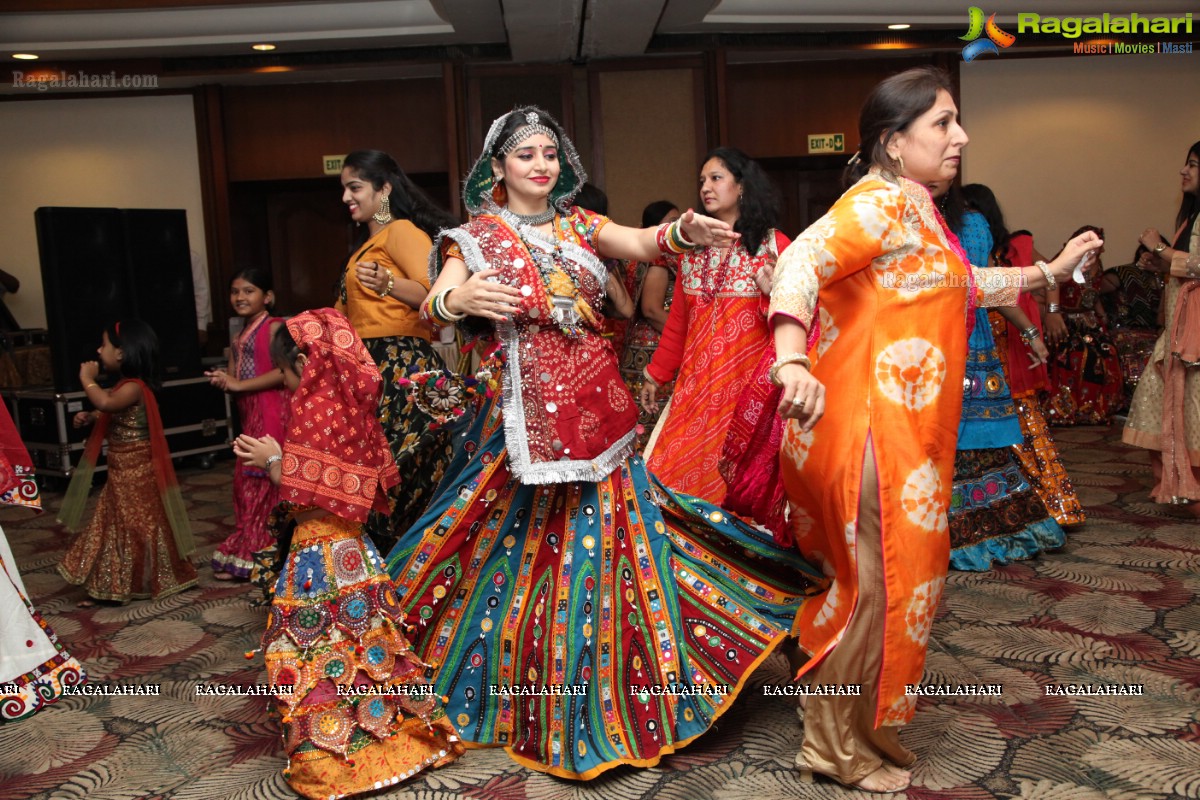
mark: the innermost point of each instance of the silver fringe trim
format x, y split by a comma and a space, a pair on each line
515, 436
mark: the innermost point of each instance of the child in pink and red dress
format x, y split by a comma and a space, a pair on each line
262, 406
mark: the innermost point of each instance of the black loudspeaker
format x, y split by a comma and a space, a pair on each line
160, 277
100, 265
85, 280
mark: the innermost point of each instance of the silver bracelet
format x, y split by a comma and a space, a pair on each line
1053, 308
1050, 282
272, 460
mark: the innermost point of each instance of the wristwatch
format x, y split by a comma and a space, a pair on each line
1158, 248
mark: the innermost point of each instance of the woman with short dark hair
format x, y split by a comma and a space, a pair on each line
869, 485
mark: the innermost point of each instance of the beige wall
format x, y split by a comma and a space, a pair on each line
1082, 140
650, 140
122, 152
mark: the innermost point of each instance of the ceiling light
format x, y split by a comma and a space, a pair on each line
264, 47
899, 26
25, 56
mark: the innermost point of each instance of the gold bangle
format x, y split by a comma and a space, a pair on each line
90, 385
391, 282
791, 358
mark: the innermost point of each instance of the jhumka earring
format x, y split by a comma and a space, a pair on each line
384, 215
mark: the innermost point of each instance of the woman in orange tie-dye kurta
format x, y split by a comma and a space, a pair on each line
716, 332
869, 485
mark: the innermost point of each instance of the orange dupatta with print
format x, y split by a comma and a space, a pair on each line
71, 513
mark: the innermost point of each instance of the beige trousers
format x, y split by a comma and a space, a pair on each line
840, 737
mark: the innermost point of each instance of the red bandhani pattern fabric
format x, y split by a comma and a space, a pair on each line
335, 455
17, 486
750, 456
715, 335
1023, 379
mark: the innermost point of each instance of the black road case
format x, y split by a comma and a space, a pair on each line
196, 417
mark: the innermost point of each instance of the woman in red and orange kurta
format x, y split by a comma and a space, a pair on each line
716, 331
869, 485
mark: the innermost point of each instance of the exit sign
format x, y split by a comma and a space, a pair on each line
333, 164
826, 143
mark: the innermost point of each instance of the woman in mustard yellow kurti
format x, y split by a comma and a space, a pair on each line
385, 281
869, 485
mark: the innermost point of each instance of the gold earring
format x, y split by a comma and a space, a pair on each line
384, 215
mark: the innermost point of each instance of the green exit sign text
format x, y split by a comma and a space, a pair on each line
333, 164
826, 143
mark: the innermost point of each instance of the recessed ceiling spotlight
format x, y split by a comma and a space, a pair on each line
899, 26
264, 47
25, 56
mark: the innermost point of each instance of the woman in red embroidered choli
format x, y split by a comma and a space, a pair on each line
550, 558
717, 329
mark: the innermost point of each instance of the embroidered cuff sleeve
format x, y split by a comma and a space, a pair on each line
795, 286
997, 286
1185, 263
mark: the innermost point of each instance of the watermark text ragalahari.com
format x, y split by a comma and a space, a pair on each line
46, 80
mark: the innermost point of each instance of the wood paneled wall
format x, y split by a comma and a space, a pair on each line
773, 107
267, 142
280, 132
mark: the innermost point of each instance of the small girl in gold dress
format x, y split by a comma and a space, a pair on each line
137, 541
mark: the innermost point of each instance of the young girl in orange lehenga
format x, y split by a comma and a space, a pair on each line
360, 714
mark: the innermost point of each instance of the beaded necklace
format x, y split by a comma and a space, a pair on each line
713, 278
562, 297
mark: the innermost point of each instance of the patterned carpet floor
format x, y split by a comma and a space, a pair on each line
1120, 604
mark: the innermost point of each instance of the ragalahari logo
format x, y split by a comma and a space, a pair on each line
977, 28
